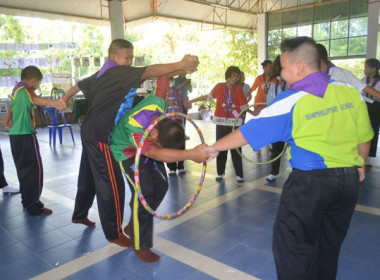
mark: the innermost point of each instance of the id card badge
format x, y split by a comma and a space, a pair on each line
235, 113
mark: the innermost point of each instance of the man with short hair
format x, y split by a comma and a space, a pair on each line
99, 173
327, 126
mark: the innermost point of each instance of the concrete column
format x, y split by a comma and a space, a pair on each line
373, 28
262, 40
116, 19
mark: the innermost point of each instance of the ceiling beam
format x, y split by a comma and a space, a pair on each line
52, 15
218, 4
180, 19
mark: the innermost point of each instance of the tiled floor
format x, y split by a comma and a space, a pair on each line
225, 235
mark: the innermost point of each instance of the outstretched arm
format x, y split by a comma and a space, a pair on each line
198, 154
188, 103
70, 93
188, 64
231, 141
58, 104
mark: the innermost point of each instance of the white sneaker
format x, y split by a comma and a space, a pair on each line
239, 179
10, 190
181, 171
219, 178
172, 172
271, 178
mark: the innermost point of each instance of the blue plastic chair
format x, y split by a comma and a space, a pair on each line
51, 114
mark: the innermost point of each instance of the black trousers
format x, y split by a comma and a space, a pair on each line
3, 181
177, 165
276, 150
221, 159
313, 217
26, 155
374, 116
100, 175
154, 185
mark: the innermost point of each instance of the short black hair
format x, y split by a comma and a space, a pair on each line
302, 48
323, 52
31, 72
117, 45
230, 70
374, 63
266, 62
170, 134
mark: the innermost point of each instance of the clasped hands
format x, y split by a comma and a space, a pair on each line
60, 105
190, 63
204, 153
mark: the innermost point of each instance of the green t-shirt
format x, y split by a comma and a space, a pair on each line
22, 107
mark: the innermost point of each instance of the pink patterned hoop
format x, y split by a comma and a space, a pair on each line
137, 165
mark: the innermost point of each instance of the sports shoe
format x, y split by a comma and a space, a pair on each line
10, 190
172, 172
181, 171
219, 178
239, 179
271, 178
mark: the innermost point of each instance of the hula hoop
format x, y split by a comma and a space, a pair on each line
247, 159
137, 164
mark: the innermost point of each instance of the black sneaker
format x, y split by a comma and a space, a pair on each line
239, 179
219, 178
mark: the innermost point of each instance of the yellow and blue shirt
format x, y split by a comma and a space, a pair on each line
322, 120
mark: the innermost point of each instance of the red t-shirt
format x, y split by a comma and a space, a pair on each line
130, 151
220, 92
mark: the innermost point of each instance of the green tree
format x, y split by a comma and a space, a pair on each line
274, 41
243, 51
11, 31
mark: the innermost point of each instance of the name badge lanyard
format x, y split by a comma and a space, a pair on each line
372, 85
267, 83
229, 98
276, 88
